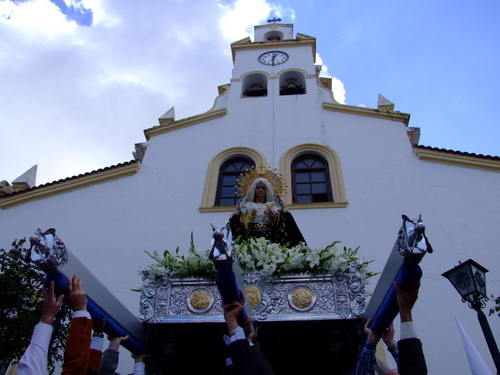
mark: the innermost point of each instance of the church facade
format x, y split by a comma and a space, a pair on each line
350, 173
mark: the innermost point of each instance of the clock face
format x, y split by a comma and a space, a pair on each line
273, 58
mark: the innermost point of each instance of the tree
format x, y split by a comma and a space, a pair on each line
496, 308
21, 301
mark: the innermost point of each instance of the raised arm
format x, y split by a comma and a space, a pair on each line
76, 354
34, 359
411, 355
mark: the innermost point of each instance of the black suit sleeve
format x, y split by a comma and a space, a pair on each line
262, 361
243, 358
411, 357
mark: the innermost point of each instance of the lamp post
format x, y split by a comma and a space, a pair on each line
469, 280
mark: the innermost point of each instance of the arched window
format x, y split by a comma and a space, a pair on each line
292, 83
273, 35
311, 179
228, 178
254, 85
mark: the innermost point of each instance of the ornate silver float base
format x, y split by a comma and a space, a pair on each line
286, 298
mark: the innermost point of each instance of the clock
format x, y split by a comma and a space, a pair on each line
273, 58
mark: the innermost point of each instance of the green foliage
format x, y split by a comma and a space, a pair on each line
193, 264
21, 300
495, 309
267, 258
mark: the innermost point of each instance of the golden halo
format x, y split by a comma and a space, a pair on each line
275, 179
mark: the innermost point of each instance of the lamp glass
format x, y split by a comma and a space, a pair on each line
479, 278
469, 280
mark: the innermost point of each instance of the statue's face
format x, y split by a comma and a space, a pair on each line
260, 190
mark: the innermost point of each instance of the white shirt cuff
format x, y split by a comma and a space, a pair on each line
407, 331
139, 368
239, 334
97, 343
81, 314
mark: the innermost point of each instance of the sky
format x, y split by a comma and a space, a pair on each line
81, 79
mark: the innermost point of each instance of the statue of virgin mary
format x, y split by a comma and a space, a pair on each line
261, 212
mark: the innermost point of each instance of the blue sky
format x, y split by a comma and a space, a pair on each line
75, 11
81, 79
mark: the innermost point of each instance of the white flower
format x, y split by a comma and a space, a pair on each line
268, 269
313, 258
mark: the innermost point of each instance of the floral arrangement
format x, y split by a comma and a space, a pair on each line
260, 255
271, 259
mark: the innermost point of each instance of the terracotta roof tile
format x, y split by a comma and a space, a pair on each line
96, 171
481, 156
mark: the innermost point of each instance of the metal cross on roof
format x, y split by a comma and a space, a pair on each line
274, 20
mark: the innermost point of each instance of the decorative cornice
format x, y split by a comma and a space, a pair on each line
183, 123
245, 44
295, 206
310, 206
301, 36
458, 159
74, 183
368, 112
217, 209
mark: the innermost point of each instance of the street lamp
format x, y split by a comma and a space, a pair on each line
469, 280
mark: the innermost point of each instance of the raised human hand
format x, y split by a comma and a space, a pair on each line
76, 298
98, 326
406, 300
388, 337
51, 305
231, 312
372, 336
115, 342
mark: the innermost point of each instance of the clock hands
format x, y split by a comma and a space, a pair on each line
273, 58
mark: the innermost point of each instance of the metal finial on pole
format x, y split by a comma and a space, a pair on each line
274, 20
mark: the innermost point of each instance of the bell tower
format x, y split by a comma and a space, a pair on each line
273, 32
275, 63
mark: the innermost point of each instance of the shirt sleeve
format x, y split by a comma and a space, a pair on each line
395, 355
77, 352
95, 356
34, 359
366, 360
139, 368
109, 362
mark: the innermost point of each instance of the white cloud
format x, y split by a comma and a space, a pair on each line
6, 9
338, 90
77, 98
239, 18
36, 19
337, 85
100, 13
